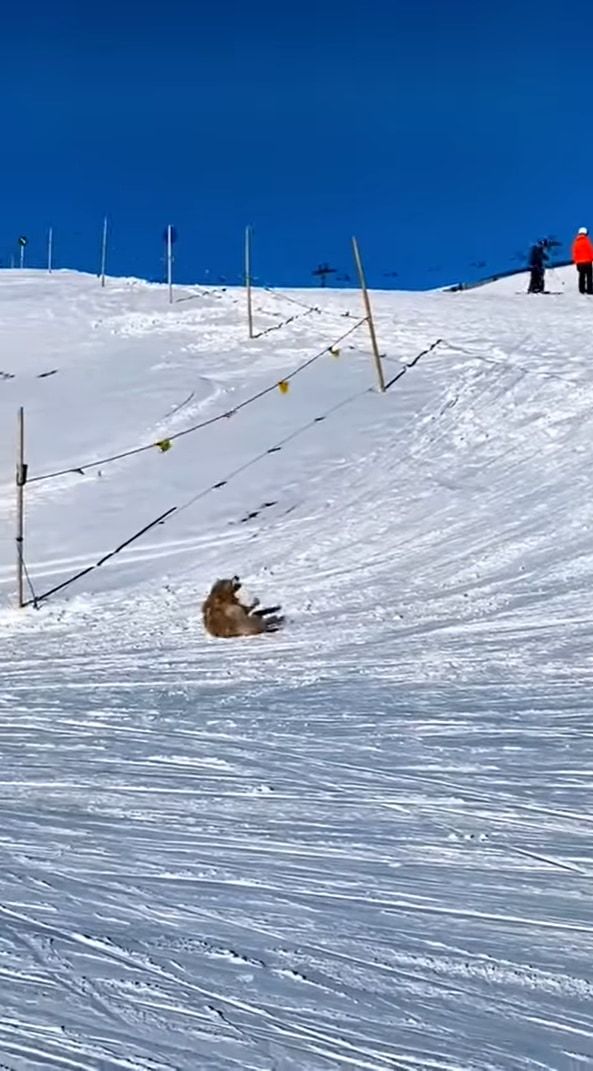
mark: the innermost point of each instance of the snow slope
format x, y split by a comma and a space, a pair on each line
364, 842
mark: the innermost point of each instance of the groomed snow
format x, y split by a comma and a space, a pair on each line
364, 842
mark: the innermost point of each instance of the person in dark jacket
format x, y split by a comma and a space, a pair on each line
538, 258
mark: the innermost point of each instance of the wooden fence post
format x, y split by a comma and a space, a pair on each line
170, 262
248, 280
103, 252
369, 315
21, 479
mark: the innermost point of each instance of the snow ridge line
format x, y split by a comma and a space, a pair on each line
80, 468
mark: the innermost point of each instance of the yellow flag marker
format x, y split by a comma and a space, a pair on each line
164, 445
283, 386
335, 351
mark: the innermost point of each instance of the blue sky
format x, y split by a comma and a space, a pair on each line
442, 134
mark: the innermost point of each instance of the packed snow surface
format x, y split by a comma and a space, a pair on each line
364, 842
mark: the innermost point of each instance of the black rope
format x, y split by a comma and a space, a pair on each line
202, 424
201, 494
413, 362
89, 569
259, 284
276, 448
281, 296
204, 292
264, 453
295, 301
284, 323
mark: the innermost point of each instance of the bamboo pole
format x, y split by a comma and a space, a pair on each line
170, 262
21, 478
103, 251
369, 315
248, 280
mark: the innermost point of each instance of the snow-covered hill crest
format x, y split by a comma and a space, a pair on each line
361, 842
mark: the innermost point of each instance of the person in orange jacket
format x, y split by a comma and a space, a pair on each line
582, 254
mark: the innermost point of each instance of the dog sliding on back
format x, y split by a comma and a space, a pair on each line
226, 616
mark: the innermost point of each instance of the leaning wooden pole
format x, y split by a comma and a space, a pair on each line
248, 280
369, 315
103, 252
21, 479
170, 262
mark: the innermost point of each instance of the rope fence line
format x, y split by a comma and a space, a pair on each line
33, 601
308, 309
237, 280
163, 517
111, 554
134, 451
286, 297
205, 291
283, 323
491, 361
258, 284
295, 301
413, 362
273, 449
276, 448
412, 454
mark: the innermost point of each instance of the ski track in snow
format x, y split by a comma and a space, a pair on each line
364, 842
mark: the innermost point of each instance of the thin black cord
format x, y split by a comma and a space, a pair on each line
89, 569
276, 448
195, 427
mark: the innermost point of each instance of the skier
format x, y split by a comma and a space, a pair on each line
582, 254
538, 258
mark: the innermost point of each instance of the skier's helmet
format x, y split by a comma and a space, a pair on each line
583, 230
